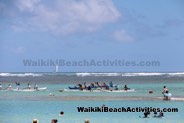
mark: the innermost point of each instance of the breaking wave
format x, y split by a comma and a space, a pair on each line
84, 74
131, 74
20, 74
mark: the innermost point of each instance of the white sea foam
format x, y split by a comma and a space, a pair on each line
20, 74
98, 74
177, 74
131, 74
142, 74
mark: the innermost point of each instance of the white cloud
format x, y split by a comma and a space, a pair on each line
122, 36
65, 16
26, 5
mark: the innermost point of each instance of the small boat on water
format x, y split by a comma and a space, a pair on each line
75, 87
32, 89
79, 87
76, 90
27, 90
119, 90
97, 90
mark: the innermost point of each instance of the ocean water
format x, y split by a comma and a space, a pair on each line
22, 107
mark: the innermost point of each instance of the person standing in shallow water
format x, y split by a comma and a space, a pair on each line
1, 87
28, 86
165, 89
18, 85
35, 86
166, 93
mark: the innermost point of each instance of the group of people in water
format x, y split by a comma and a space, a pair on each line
9, 87
55, 121
105, 86
52, 121
156, 115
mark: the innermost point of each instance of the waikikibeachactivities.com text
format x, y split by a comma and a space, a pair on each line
125, 109
89, 63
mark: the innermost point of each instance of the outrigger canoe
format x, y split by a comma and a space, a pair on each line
27, 90
119, 90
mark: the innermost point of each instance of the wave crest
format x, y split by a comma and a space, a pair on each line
131, 74
20, 74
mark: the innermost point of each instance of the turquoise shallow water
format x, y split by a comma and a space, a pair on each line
22, 107
25, 111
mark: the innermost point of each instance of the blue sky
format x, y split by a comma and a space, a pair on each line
92, 29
